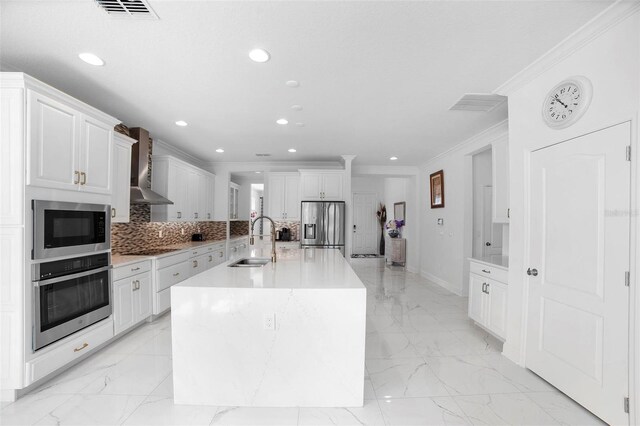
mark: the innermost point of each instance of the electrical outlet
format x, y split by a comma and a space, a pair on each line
160, 234
269, 322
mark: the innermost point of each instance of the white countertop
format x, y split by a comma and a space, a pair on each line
493, 260
126, 259
295, 269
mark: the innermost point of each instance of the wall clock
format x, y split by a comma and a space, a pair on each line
567, 102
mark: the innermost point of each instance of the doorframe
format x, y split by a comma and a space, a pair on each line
634, 253
353, 213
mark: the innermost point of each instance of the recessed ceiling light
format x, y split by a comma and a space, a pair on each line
220, 150
91, 59
292, 150
259, 55
296, 107
300, 124
282, 121
393, 158
293, 83
258, 173
181, 123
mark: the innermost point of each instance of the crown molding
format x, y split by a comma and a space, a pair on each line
178, 153
384, 171
601, 23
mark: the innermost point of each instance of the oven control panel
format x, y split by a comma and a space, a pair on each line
58, 268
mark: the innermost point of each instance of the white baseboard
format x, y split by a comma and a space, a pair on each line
441, 282
8, 395
412, 269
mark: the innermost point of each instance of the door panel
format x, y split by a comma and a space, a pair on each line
578, 304
292, 197
96, 152
476, 298
276, 196
497, 309
365, 232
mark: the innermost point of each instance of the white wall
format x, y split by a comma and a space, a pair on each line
611, 60
444, 249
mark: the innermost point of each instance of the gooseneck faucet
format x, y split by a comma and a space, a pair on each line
273, 235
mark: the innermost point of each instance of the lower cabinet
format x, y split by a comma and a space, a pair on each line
131, 299
488, 303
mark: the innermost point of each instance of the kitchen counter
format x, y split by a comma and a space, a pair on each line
288, 334
494, 260
125, 259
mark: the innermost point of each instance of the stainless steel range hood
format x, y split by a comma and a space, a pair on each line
141, 192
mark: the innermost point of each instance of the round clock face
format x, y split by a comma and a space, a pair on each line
566, 102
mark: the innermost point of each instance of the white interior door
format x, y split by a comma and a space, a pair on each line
491, 232
577, 335
365, 224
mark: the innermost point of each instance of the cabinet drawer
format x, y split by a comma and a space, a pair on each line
163, 300
172, 274
492, 272
174, 259
69, 351
125, 271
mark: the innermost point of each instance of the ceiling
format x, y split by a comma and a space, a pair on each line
376, 78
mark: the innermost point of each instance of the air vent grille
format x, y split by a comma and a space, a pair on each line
263, 155
127, 8
478, 102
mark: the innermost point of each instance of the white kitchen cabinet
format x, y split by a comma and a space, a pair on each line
500, 176
238, 248
488, 297
190, 189
131, 295
68, 149
121, 176
234, 190
283, 196
321, 185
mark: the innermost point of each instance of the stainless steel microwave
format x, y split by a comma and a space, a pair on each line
63, 229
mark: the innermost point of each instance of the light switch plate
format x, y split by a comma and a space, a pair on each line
440, 221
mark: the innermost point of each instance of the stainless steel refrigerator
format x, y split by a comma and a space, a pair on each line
322, 224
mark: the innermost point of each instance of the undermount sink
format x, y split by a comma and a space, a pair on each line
250, 262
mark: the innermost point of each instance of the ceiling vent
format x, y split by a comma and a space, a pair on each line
127, 8
263, 155
478, 102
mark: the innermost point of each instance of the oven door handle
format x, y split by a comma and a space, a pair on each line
71, 277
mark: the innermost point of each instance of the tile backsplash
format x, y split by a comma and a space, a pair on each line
239, 227
140, 234
294, 226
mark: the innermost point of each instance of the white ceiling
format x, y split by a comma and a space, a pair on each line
376, 78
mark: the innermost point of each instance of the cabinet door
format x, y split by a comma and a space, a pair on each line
500, 162
123, 304
178, 192
476, 298
121, 182
292, 197
276, 197
194, 196
208, 196
497, 308
142, 297
310, 186
53, 143
96, 149
332, 186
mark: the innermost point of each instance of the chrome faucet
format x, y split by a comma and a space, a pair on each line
273, 235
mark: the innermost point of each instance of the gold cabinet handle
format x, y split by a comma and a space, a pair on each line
113, 212
135, 269
83, 176
81, 347
195, 263
210, 258
176, 274
77, 179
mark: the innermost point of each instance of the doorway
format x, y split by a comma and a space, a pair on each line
365, 223
579, 253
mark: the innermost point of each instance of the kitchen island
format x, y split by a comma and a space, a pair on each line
286, 334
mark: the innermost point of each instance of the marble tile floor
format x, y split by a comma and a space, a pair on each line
426, 364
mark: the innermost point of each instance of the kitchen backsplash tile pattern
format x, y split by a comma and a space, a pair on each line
294, 226
140, 234
239, 227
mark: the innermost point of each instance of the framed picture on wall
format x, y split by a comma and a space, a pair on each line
436, 183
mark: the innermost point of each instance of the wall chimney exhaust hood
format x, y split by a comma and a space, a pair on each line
141, 192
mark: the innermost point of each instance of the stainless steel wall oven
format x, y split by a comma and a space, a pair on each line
69, 295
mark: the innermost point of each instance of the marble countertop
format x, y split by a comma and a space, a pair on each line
493, 260
295, 268
126, 259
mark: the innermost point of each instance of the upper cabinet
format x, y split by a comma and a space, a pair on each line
68, 148
190, 189
234, 190
121, 176
283, 196
500, 176
321, 185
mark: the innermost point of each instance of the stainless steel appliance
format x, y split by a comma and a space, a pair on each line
323, 224
63, 229
70, 295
